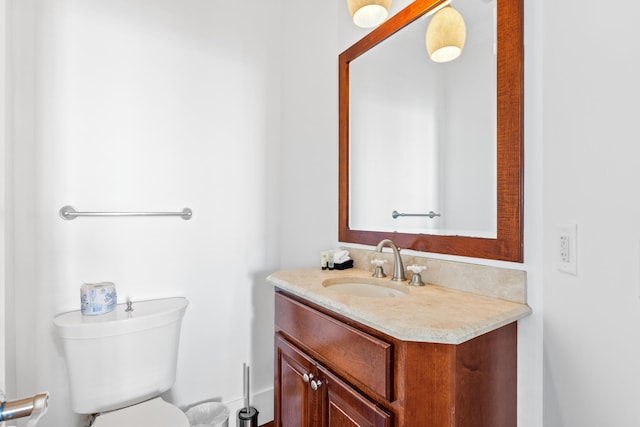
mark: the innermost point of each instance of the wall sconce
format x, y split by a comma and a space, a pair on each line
446, 34
368, 13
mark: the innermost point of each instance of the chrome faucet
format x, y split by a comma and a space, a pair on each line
398, 268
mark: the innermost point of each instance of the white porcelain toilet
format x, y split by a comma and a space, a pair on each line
120, 362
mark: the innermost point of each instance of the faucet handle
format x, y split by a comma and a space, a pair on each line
415, 268
379, 272
416, 279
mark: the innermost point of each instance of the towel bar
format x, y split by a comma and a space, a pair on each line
68, 213
431, 214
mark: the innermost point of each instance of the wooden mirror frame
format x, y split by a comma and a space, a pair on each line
508, 245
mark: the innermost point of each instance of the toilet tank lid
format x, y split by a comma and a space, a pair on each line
145, 315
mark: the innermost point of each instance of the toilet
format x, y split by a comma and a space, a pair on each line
119, 363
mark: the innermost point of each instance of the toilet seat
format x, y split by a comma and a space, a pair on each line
155, 412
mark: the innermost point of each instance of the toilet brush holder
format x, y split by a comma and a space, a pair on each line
248, 417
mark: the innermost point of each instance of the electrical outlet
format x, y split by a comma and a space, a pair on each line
567, 253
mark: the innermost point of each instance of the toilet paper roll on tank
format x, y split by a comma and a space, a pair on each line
97, 298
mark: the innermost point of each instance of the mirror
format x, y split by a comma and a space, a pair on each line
441, 118
470, 179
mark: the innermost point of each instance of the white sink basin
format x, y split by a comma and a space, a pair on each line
366, 287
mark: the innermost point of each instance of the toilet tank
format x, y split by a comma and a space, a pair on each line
123, 357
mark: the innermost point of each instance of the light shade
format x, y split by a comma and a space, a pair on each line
368, 13
446, 34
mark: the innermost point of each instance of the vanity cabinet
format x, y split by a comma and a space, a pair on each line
333, 371
310, 395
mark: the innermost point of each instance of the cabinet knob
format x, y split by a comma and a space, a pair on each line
307, 377
316, 384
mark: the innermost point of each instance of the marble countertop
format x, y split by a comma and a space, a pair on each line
426, 314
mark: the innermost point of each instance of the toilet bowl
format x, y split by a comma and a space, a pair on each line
119, 363
155, 412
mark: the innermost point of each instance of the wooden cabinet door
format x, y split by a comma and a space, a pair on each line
346, 407
297, 405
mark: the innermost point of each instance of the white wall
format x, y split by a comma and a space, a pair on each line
171, 130
147, 105
591, 89
3, 145
309, 156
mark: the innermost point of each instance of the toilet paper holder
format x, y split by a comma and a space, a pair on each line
30, 406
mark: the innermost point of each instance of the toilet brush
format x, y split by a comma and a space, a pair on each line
247, 416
